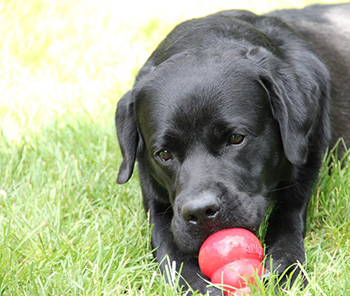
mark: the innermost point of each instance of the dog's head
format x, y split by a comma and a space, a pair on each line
216, 133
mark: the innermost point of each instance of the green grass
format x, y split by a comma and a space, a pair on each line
66, 228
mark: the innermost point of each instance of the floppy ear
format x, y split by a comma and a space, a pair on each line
299, 104
295, 119
127, 136
298, 85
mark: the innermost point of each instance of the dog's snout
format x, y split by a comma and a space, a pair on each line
201, 211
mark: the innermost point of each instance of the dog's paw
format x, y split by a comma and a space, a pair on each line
203, 289
286, 268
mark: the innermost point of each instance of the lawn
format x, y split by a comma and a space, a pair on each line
66, 227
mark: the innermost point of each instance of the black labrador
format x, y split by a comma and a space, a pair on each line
232, 115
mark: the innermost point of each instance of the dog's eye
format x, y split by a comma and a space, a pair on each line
236, 139
165, 155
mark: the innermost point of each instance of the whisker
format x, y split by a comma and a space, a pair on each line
286, 187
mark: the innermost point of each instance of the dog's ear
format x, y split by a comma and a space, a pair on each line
298, 105
292, 118
298, 85
127, 136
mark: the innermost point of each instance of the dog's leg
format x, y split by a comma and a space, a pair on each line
286, 229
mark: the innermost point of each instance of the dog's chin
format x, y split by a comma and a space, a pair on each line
188, 240
187, 244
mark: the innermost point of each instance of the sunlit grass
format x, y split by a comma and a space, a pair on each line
65, 227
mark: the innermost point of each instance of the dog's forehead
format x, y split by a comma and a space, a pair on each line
188, 95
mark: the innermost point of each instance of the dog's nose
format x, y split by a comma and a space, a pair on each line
201, 211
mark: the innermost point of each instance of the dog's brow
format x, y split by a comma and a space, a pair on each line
165, 139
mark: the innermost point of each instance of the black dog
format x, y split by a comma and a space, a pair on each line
231, 115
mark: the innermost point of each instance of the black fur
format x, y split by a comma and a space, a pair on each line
231, 73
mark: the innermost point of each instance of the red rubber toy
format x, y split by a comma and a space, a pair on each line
230, 257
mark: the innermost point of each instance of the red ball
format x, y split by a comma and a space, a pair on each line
237, 275
230, 257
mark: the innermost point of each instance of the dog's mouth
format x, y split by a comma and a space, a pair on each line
194, 220
190, 241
